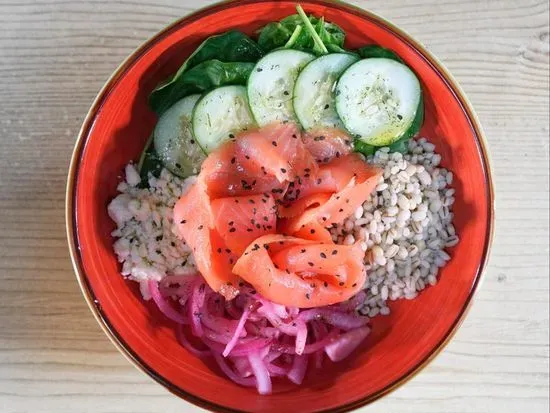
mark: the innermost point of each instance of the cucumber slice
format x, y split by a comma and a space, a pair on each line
314, 102
271, 84
377, 100
173, 139
220, 115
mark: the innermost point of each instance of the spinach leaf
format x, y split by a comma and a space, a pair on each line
274, 35
150, 162
298, 31
373, 50
232, 46
364, 148
202, 77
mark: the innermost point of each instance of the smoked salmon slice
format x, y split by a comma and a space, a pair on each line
261, 210
194, 222
279, 149
240, 220
227, 172
282, 281
327, 144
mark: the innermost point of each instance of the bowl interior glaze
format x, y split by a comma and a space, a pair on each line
115, 132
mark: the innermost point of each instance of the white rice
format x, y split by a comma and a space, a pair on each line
404, 227
147, 246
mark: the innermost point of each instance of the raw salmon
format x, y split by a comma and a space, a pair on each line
279, 149
330, 278
262, 207
240, 220
326, 144
194, 221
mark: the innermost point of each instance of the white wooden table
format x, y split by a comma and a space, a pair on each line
54, 57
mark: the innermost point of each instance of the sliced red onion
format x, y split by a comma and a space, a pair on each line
178, 285
263, 380
275, 370
248, 382
344, 345
164, 306
195, 306
180, 334
298, 370
339, 319
353, 302
242, 365
238, 332
301, 337
220, 324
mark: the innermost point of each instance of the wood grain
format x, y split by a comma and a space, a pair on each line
54, 57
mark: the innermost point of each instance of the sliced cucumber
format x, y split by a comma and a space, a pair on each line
220, 115
377, 100
314, 102
173, 139
271, 84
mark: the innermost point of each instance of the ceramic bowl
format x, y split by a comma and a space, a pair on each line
115, 132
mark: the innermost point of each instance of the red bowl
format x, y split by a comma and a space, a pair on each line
115, 131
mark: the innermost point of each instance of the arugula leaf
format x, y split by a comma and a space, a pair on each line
202, 77
232, 46
373, 50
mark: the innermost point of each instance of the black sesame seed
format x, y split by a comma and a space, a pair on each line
183, 221
233, 160
341, 284
354, 285
334, 252
230, 223
283, 170
232, 229
325, 284
327, 106
312, 231
286, 93
201, 227
340, 210
302, 251
307, 296
323, 255
274, 143
178, 165
219, 250
310, 264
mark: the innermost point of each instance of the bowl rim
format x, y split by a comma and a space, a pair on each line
70, 210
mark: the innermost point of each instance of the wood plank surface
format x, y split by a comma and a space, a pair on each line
54, 57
